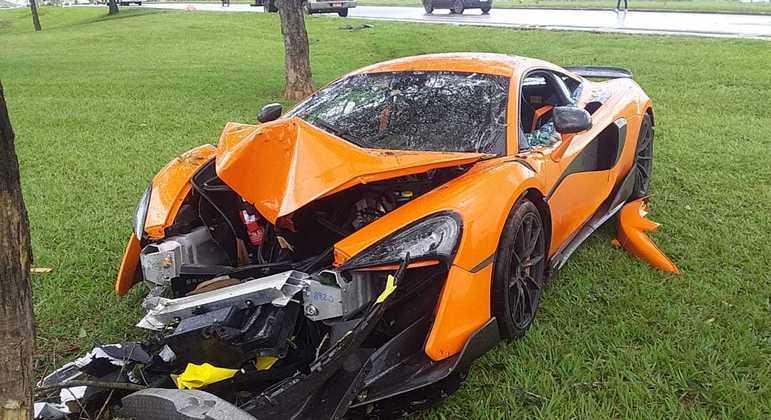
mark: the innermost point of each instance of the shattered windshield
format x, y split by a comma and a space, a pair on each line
427, 111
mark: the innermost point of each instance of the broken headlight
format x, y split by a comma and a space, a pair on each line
434, 237
141, 213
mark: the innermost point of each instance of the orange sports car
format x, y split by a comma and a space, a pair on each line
353, 256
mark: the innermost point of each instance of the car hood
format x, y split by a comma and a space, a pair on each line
283, 165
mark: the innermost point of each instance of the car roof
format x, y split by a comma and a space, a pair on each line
488, 63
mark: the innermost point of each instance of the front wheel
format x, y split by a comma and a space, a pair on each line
342, 13
519, 271
643, 160
486, 10
457, 7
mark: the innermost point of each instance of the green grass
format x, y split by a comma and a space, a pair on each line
733, 6
99, 104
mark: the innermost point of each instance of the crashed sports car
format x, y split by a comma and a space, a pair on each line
352, 256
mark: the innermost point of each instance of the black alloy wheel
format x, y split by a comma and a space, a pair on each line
520, 270
644, 159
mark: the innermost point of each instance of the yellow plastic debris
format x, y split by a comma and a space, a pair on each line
265, 362
197, 376
389, 288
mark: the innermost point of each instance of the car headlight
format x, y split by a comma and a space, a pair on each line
434, 237
141, 213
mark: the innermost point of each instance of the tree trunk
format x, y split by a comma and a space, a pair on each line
113, 4
17, 327
35, 18
299, 82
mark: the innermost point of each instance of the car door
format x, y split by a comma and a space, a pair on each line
579, 180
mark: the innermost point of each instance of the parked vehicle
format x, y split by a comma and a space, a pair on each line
313, 6
457, 6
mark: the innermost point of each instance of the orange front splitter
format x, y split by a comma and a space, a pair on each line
632, 236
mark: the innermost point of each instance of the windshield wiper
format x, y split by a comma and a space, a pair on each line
327, 126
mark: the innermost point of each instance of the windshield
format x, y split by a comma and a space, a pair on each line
427, 111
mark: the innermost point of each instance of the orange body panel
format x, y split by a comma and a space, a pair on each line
170, 187
282, 166
464, 303
461, 311
127, 273
632, 228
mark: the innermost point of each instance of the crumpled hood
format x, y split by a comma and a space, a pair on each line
281, 166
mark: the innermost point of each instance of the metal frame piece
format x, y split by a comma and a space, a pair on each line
277, 289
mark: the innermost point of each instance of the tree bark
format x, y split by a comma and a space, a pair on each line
17, 327
113, 4
297, 63
35, 18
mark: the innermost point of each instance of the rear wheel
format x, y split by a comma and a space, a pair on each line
644, 159
520, 270
342, 13
457, 7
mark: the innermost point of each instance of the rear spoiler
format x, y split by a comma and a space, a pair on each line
601, 72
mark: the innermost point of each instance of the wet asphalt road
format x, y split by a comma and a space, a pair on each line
666, 23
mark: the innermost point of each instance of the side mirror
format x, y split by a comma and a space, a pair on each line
571, 119
269, 112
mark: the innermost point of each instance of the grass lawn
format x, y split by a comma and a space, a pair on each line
680, 5
99, 104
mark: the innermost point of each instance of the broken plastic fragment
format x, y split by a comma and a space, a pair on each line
50, 411
632, 228
197, 376
389, 288
265, 362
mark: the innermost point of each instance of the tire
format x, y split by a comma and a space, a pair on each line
343, 13
270, 6
486, 10
643, 159
457, 7
519, 270
428, 5
307, 8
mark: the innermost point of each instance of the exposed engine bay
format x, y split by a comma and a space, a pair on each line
226, 273
230, 290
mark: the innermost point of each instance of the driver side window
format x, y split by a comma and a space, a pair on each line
540, 92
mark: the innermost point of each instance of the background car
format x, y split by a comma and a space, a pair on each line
313, 6
457, 6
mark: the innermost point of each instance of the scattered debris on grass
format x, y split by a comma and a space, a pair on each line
352, 28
